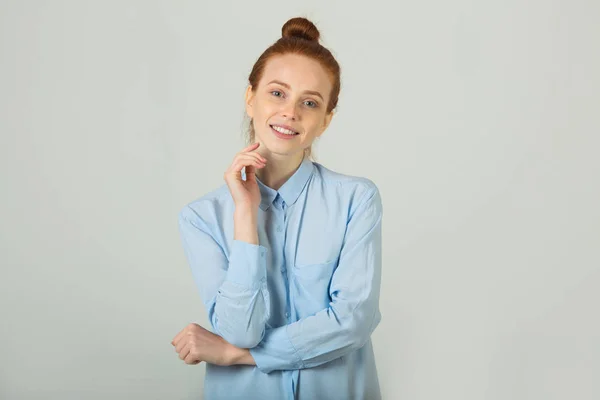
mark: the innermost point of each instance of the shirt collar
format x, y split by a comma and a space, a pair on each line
290, 190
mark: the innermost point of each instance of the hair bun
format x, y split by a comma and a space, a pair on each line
300, 28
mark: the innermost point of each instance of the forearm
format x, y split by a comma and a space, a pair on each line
241, 306
232, 284
239, 356
239, 314
282, 354
315, 340
245, 225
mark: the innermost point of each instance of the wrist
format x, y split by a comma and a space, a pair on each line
245, 225
245, 212
239, 356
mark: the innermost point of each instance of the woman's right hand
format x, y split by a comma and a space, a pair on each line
245, 193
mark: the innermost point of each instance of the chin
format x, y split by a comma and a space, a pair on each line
281, 150
276, 145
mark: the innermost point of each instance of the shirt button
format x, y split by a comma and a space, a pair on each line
279, 228
287, 315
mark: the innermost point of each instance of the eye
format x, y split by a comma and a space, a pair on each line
311, 103
276, 93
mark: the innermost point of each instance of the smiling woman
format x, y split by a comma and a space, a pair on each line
296, 68
288, 103
286, 254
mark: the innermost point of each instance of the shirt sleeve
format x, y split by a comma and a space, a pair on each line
234, 289
353, 312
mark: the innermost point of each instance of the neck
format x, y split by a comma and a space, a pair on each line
279, 169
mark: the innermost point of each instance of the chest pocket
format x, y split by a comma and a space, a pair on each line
319, 241
310, 285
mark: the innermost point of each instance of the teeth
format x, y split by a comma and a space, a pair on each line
283, 130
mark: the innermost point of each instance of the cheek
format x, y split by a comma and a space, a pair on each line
315, 125
263, 110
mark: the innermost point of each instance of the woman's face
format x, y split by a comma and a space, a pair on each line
292, 95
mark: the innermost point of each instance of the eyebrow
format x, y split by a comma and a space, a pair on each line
313, 92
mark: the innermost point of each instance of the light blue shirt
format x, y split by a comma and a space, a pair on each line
306, 300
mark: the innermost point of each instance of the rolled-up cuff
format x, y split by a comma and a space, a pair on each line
276, 352
247, 264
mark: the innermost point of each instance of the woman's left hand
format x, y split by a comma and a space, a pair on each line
195, 344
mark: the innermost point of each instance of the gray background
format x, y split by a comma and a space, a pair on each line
479, 121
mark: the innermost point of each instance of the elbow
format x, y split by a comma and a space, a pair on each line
242, 338
241, 324
244, 341
359, 330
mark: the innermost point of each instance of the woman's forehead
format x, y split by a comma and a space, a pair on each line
299, 72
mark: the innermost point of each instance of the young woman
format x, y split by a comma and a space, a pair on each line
287, 260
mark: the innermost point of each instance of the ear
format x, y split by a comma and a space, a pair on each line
326, 121
249, 101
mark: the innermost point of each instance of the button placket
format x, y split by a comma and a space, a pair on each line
281, 228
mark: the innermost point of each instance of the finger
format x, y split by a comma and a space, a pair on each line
185, 351
250, 171
191, 358
252, 152
248, 159
257, 154
252, 147
242, 162
260, 156
237, 176
249, 156
177, 338
181, 344
237, 169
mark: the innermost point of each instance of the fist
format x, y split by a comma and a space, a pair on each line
195, 344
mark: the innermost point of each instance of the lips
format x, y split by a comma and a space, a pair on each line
284, 129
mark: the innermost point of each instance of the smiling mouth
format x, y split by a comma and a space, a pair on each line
283, 131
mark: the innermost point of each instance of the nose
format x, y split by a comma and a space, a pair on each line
289, 111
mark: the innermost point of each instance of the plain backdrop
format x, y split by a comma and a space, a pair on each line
479, 122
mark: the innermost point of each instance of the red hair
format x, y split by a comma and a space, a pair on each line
299, 36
